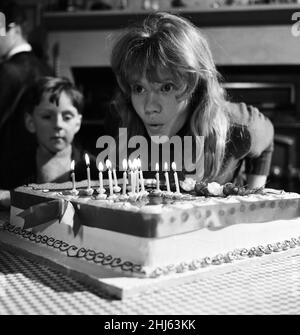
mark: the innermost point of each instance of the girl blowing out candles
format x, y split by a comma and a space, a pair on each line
169, 85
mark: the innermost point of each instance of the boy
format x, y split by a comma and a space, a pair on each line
53, 116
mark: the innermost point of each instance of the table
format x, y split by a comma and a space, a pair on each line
266, 285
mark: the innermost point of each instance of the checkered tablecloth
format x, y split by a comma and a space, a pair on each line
270, 285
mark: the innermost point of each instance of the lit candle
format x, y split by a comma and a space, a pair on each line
175, 177
157, 176
100, 168
108, 165
124, 176
87, 161
136, 175
115, 178
132, 179
141, 175
73, 174
167, 177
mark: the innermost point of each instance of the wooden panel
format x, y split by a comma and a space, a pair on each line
254, 45
230, 46
202, 17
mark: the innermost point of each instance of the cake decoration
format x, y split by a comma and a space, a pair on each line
215, 189
188, 184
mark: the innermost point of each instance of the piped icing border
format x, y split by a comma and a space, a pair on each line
73, 251
229, 257
100, 258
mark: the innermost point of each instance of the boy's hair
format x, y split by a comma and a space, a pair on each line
54, 86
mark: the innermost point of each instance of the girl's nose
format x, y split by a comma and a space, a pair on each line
152, 103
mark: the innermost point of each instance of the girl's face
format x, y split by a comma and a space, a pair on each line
55, 126
158, 106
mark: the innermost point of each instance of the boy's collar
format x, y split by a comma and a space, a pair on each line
44, 154
24, 47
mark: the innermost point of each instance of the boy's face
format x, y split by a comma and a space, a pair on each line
158, 106
54, 126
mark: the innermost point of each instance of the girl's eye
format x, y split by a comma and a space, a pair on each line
46, 117
138, 89
168, 87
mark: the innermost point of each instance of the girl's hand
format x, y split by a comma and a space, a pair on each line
256, 181
4, 198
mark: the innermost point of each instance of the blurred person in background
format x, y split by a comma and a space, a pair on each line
19, 68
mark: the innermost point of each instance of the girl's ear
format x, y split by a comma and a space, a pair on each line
29, 124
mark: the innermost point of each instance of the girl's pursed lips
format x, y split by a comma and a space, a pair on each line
152, 125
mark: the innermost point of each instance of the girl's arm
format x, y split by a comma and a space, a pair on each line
259, 158
4, 198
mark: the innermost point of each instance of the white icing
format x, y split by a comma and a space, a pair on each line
100, 196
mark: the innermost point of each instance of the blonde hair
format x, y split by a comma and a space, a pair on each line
168, 42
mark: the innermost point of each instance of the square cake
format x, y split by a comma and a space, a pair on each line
156, 235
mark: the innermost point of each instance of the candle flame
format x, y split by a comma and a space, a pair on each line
173, 166
72, 165
130, 164
139, 163
157, 167
108, 164
87, 159
124, 164
134, 164
100, 166
166, 166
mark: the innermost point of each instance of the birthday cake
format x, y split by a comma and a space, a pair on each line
156, 235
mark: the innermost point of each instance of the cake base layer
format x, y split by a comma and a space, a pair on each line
114, 284
164, 256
